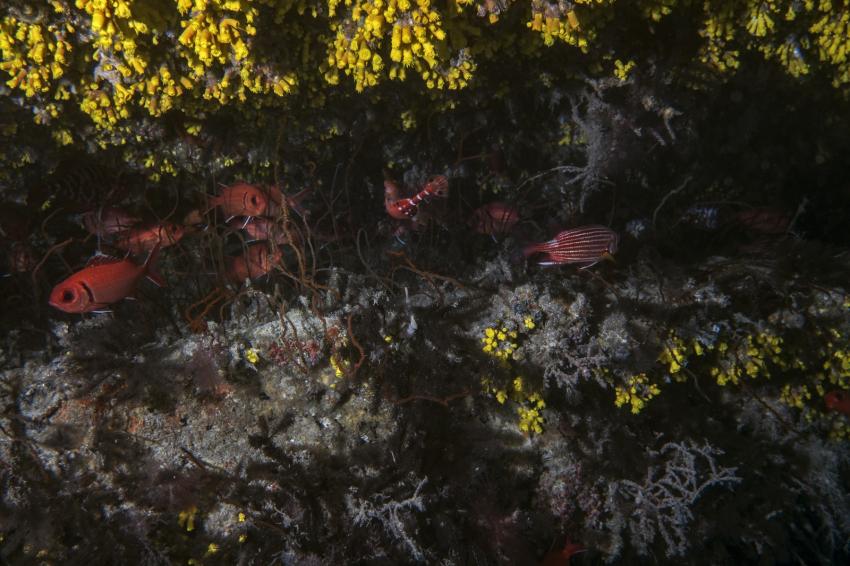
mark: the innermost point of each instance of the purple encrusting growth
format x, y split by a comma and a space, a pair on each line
586, 244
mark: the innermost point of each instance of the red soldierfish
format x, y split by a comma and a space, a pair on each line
259, 228
586, 244
769, 221
404, 208
108, 220
146, 238
255, 262
838, 400
241, 199
105, 280
494, 218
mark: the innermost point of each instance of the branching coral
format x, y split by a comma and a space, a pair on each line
389, 513
663, 503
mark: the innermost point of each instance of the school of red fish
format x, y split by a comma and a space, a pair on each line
256, 211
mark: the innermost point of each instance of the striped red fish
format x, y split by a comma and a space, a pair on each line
586, 245
404, 208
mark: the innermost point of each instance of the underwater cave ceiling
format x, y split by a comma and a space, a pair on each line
395, 281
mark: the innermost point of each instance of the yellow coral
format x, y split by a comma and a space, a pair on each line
498, 342
622, 70
637, 391
35, 55
186, 518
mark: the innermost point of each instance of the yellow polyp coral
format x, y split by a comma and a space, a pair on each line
674, 356
791, 56
34, 55
186, 518
750, 357
339, 369
408, 120
835, 364
499, 342
216, 40
637, 391
416, 41
759, 21
622, 70
655, 10
795, 395
823, 35
137, 58
529, 403
832, 31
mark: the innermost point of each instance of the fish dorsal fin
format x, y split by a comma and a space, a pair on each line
102, 259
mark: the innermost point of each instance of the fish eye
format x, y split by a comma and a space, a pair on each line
68, 295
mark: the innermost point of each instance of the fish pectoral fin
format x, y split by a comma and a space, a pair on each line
155, 278
588, 264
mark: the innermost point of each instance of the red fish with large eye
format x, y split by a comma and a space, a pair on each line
494, 218
108, 220
104, 281
838, 400
241, 199
257, 261
586, 245
406, 208
261, 229
146, 238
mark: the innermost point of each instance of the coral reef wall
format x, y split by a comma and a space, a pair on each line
444, 282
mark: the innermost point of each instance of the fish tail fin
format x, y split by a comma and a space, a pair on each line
152, 269
212, 202
532, 249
